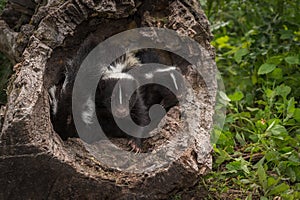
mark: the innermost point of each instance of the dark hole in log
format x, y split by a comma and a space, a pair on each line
76, 48
151, 94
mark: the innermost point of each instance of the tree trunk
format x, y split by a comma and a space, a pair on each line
40, 37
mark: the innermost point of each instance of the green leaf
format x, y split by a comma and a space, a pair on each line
239, 54
261, 125
283, 90
290, 172
271, 125
249, 197
277, 74
275, 59
238, 165
279, 189
222, 40
291, 107
264, 198
272, 181
270, 93
278, 130
234, 166
240, 139
223, 156
292, 60
262, 177
286, 34
266, 68
244, 167
237, 96
297, 114
272, 155
252, 109
224, 96
254, 79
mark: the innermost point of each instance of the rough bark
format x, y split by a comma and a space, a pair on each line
35, 162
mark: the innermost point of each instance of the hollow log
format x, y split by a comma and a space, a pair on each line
40, 37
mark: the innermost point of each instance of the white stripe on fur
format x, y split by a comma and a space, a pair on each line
174, 80
53, 100
166, 69
117, 76
89, 111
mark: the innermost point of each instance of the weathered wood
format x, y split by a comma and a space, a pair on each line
35, 162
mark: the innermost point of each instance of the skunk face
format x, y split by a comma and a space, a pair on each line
172, 78
168, 87
116, 94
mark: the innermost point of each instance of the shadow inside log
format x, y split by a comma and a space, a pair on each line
61, 72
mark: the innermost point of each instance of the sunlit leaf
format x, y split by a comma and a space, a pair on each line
237, 96
297, 114
239, 54
272, 155
291, 107
278, 130
292, 60
252, 109
279, 189
266, 68
262, 177
283, 90
272, 181
224, 96
275, 59
240, 139
277, 74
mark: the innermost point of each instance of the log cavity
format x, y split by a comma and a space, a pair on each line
65, 62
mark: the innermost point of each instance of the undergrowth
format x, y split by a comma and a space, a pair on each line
257, 152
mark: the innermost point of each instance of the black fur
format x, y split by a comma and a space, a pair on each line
62, 120
140, 102
159, 94
105, 98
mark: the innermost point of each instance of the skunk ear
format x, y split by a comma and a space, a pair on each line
102, 84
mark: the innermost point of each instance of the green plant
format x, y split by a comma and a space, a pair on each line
258, 150
2, 4
5, 72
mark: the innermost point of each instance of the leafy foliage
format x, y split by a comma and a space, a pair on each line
258, 55
5, 68
5, 72
2, 4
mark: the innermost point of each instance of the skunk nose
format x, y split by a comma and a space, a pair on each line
179, 96
121, 112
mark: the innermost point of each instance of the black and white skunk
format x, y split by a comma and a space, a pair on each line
60, 94
61, 98
124, 106
168, 87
